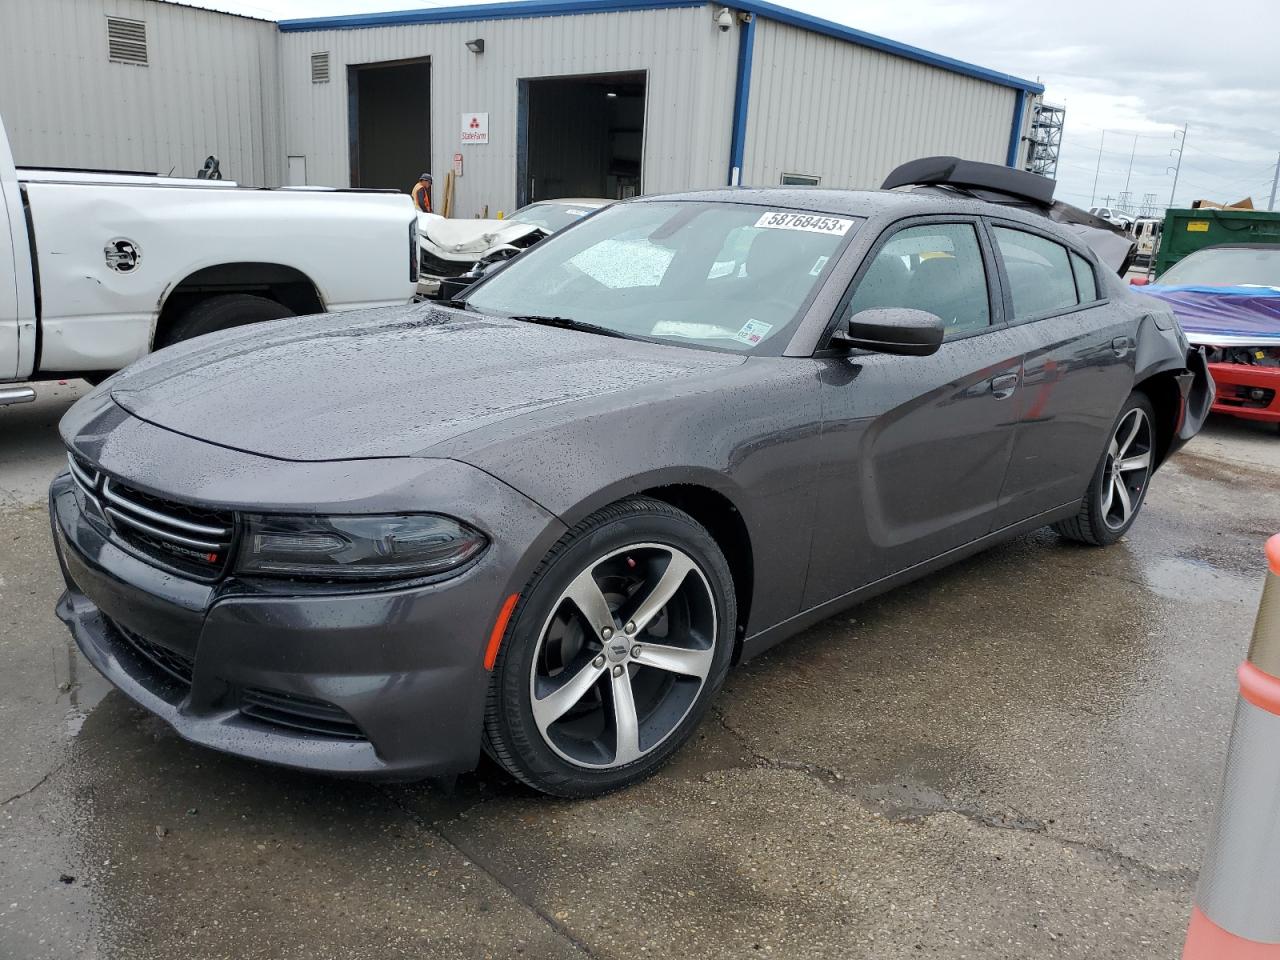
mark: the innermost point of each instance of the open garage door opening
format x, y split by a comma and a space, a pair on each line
390, 123
581, 136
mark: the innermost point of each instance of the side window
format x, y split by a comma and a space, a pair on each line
936, 268
1040, 277
1086, 282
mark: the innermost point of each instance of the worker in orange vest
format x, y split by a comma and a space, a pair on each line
421, 193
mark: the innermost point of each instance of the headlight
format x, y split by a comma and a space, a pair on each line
356, 548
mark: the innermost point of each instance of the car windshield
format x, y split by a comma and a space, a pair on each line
1227, 267
552, 216
727, 276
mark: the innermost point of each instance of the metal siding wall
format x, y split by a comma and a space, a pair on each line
212, 87
689, 95
850, 114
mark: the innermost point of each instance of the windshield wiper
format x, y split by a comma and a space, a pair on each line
568, 323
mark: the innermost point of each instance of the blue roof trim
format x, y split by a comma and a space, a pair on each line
510, 10
772, 11
515, 9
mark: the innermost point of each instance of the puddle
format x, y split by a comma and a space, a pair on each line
1197, 580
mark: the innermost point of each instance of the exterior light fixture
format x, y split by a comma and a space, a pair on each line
612, 94
475, 46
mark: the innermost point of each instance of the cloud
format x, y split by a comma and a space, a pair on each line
1125, 68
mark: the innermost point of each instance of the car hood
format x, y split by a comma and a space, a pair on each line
470, 238
386, 383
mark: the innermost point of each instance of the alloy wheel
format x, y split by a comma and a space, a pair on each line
1127, 468
623, 655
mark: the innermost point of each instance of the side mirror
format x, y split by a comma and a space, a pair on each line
1139, 281
911, 333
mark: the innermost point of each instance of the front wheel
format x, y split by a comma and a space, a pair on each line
616, 649
1119, 484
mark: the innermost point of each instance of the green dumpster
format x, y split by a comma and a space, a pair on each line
1186, 231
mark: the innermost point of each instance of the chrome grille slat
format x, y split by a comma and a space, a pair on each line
124, 503
88, 483
186, 538
159, 534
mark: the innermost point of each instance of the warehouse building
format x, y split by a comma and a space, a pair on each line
520, 101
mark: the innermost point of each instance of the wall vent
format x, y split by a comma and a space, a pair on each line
320, 67
126, 41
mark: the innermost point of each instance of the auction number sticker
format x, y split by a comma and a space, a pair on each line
808, 222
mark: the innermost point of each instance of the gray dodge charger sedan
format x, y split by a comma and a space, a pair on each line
546, 520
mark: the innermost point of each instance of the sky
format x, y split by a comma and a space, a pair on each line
1138, 71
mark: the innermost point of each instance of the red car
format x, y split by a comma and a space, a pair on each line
1227, 299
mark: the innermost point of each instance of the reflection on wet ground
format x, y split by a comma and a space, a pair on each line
1017, 758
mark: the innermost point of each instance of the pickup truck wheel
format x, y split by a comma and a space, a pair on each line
221, 313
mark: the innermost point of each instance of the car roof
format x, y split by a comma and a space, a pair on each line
872, 204
1269, 247
573, 202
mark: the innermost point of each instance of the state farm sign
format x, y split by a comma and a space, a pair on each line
475, 128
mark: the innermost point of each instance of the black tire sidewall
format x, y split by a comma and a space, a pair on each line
1104, 533
619, 526
224, 312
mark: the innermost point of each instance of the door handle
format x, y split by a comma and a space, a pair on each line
1122, 345
1002, 387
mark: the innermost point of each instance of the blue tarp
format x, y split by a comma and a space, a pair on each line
1231, 311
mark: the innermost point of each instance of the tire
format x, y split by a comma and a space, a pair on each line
1103, 518
221, 313
667, 661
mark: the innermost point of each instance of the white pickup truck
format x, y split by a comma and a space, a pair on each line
99, 269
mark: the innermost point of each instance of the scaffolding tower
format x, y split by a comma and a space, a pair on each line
1045, 138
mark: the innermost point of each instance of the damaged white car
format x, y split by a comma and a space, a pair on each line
450, 249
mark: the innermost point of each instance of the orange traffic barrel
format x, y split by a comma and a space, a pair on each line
1237, 909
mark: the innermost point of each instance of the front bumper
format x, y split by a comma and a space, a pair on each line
381, 684
1235, 380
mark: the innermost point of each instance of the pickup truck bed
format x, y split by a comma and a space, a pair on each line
99, 269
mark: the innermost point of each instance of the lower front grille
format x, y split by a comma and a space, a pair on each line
433, 266
1257, 397
173, 665
298, 713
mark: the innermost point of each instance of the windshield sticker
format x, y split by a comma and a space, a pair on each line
807, 222
752, 332
817, 267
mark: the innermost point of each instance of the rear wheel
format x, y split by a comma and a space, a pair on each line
221, 313
619, 642
1119, 484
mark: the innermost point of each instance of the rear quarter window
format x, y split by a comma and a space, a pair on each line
1039, 271
1086, 280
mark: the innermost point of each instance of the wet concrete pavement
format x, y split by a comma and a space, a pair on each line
1017, 758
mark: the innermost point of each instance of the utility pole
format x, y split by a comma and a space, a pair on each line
1093, 196
1275, 181
1133, 153
1182, 143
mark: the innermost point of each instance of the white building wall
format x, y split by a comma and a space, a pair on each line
211, 87
689, 95
850, 114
